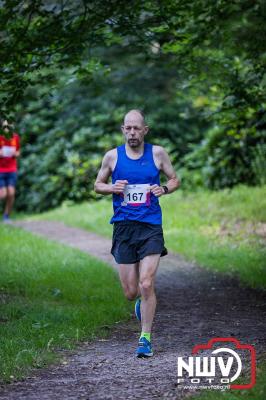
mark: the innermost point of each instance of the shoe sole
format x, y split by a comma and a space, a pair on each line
142, 355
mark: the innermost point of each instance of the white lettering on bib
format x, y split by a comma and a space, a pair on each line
8, 151
137, 195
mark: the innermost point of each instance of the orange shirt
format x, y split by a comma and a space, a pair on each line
8, 163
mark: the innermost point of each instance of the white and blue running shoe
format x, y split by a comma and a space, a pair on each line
144, 348
137, 309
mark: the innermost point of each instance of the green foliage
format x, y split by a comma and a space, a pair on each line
258, 164
37, 34
62, 147
224, 158
70, 71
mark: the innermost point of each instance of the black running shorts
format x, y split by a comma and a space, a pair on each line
133, 240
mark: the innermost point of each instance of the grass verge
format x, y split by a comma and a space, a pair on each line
51, 297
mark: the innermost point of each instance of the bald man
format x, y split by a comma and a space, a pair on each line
138, 241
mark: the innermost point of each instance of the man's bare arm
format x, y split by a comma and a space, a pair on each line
101, 185
164, 164
168, 170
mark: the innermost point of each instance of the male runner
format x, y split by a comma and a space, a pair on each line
138, 239
9, 152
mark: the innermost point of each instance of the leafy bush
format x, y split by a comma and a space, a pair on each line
258, 163
226, 158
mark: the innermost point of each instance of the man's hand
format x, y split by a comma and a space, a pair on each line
157, 190
119, 186
16, 154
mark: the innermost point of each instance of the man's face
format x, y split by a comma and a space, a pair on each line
5, 126
134, 129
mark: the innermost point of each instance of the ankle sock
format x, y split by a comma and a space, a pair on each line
147, 335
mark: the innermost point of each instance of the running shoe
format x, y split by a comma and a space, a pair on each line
144, 348
6, 219
137, 309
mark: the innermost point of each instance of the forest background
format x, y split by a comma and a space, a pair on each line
71, 69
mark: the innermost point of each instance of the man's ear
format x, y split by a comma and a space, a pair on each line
146, 130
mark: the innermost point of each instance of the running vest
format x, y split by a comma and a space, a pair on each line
137, 203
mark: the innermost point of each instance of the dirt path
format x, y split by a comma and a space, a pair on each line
194, 305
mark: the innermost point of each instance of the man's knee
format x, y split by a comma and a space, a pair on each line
130, 292
146, 286
10, 191
3, 193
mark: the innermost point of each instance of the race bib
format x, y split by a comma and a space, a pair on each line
8, 151
137, 195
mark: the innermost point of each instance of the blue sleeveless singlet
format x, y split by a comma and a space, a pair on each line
140, 171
